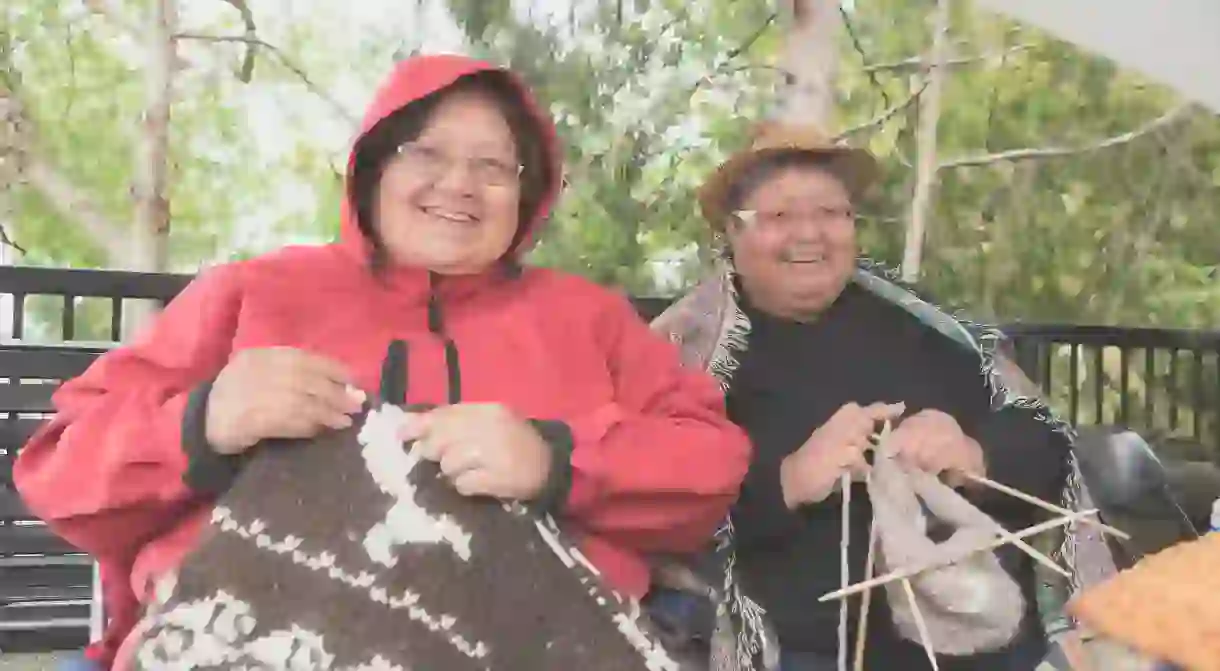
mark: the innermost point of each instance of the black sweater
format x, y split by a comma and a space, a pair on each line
791, 379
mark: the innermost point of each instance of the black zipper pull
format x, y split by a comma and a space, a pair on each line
394, 374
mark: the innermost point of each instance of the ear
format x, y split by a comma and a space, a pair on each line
733, 230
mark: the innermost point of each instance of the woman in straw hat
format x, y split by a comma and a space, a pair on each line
816, 349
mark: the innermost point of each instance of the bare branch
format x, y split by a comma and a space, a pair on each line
885, 115
337, 107
247, 18
58, 190
916, 62
9, 242
925, 140
725, 66
61, 193
1169, 118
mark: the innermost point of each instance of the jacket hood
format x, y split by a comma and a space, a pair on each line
420, 76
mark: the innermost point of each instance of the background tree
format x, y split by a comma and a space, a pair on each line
1056, 187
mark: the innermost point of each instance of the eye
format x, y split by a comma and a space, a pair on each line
778, 217
421, 154
496, 169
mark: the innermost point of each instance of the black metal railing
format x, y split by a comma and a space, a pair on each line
76, 296
1162, 382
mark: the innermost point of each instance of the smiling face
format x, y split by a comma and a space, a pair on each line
794, 239
448, 200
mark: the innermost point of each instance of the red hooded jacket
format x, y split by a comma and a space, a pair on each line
655, 464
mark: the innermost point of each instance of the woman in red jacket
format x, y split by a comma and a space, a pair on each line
550, 388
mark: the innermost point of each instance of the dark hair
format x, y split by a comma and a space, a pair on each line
376, 148
755, 175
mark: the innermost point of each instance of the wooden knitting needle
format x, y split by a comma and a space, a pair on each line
1035, 501
870, 569
1037, 556
844, 575
909, 572
920, 625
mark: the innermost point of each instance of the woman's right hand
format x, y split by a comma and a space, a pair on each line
811, 473
278, 392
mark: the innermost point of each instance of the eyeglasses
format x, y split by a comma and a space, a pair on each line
431, 163
784, 219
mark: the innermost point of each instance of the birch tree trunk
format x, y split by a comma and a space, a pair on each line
149, 249
925, 140
809, 62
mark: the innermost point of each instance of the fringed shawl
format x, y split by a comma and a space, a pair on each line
712, 331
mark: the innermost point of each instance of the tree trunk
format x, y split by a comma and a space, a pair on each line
149, 249
809, 61
926, 161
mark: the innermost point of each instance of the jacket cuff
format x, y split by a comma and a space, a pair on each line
207, 471
557, 435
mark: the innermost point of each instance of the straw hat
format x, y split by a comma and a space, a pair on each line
856, 168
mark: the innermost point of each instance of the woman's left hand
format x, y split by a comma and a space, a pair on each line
932, 441
484, 449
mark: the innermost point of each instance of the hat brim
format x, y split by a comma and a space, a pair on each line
856, 168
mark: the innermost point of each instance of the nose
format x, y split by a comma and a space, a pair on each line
456, 177
806, 228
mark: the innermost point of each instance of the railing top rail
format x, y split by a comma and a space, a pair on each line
99, 347
162, 286
90, 283
1118, 336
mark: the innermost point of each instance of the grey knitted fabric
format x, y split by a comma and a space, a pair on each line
970, 606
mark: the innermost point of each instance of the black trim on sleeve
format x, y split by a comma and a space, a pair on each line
207, 471
558, 435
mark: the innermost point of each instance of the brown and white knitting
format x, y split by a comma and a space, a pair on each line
349, 553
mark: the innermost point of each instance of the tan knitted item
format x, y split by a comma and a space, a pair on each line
970, 606
1167, 606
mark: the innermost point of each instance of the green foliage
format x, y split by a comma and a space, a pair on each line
649, 95
645, 95
1124, 235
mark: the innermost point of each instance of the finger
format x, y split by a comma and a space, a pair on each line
880, 412
430, 448
285, 413
337, 397
414, 425
320, 413
456, 461
954, 479
319, 377
304, 423
476, 482
318, 365
853, 453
